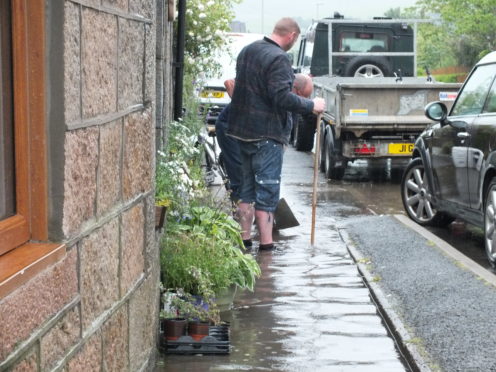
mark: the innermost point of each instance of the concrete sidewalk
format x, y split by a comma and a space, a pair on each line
440, 305
310, 310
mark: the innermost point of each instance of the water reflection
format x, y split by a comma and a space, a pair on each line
310, 310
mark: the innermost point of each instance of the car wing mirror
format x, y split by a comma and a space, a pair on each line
437, 111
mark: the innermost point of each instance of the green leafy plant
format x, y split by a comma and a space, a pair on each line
204, 249
207, 21
192, 308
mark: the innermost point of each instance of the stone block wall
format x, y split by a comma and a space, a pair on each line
97, 308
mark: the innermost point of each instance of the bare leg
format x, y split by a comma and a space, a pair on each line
245, 216
265, 221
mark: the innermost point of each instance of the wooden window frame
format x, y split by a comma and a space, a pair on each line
24, 247
28, 56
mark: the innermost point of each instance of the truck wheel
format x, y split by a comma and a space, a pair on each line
417, 197
330, 169
303, 134
368, 67
323, 135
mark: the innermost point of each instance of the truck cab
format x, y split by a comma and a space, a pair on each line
374, 48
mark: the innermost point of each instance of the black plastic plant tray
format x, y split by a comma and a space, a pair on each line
207, 345
217, 342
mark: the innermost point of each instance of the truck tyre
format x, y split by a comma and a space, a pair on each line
303, 133
331, 170
323, 134
369, 67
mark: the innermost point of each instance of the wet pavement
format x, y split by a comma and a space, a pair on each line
310, 310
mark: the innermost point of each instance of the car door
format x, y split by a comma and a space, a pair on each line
482, 143
451, 143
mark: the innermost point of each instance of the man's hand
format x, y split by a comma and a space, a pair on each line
318, 105
229, 84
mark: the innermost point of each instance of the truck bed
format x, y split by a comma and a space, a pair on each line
381, 103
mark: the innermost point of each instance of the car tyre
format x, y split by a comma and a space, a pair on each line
417, 197
369, 67
323, 136
490, 223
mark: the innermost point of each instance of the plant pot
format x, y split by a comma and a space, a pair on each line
198, 330
225, 297
174, 328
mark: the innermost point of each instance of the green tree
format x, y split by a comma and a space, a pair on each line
394, 13
467, 24
207, 21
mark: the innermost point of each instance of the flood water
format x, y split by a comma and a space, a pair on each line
310, 310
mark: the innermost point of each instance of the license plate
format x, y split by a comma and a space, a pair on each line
400, 148
212, 94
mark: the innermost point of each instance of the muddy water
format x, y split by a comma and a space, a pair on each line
310, 310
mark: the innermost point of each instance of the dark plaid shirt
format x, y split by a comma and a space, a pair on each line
262, 99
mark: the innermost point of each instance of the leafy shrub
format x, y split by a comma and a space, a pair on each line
204, 250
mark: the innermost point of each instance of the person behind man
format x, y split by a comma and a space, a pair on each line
302, 86
229, 147
260, 119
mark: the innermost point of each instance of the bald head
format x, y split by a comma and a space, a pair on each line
285, 33
303, 85
285, 26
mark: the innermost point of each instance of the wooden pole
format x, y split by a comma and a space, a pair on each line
315, 177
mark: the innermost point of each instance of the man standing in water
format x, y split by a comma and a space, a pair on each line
260, 118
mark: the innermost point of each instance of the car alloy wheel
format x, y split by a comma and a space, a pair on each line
369, 71
490, 223
416, 194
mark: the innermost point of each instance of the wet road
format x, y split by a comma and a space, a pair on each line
310, 310
375, 188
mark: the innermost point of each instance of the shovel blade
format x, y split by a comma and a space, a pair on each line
284, 217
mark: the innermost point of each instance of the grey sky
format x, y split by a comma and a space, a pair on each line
250, 11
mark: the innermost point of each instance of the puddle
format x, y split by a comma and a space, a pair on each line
310, 310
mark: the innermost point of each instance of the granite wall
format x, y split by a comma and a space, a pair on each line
96, 309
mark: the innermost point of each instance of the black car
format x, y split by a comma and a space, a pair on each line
453, 170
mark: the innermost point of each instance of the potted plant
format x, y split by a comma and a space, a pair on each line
196, 311
205, 246
174, 328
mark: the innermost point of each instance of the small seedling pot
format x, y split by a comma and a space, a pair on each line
197, 330
175, 328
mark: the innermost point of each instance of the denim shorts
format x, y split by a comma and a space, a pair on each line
261, 164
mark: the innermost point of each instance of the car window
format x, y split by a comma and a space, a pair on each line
308, 52
491, 100
471, 99
363, 42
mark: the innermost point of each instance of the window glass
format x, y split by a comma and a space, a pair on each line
471, 99
7, 185
307, 57
491, 99
361, 42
